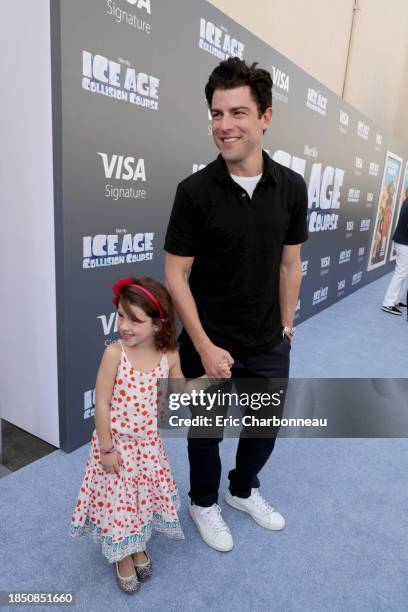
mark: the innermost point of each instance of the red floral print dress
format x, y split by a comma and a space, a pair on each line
121, 511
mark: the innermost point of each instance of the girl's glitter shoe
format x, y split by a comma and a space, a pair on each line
144, 570
129, 584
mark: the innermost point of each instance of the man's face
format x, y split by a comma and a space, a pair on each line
237, 128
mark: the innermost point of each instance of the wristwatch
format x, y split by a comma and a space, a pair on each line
288, 331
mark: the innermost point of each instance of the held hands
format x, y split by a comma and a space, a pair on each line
226, 368
216, 361
111, 462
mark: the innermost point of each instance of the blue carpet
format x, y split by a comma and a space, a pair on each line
345, 544
353, 339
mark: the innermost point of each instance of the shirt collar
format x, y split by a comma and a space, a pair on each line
269, 171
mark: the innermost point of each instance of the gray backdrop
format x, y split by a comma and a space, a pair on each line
130, 121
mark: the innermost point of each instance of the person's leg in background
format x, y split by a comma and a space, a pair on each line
399, 278
403, 295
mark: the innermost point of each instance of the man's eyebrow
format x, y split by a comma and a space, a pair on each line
235, 108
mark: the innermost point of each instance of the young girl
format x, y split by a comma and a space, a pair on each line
128, 489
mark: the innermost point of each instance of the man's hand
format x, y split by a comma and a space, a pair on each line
216, 361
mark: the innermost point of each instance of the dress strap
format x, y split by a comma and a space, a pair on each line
123, 349
166, 361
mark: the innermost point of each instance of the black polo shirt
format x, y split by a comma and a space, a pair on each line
236, 243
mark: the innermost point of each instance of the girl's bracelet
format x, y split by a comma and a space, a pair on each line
108, 452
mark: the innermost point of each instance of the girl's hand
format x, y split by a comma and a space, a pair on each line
225, 368
111, 462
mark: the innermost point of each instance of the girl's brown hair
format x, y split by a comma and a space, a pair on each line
165, 338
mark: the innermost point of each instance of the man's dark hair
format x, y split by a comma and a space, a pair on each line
234, 72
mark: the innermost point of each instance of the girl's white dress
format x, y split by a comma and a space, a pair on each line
121, 511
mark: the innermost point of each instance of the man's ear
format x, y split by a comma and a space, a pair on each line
267, 117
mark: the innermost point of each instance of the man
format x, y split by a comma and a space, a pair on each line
398, 285
238, 225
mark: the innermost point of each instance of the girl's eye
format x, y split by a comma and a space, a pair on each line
120, 315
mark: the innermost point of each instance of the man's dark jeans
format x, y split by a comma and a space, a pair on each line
252, 453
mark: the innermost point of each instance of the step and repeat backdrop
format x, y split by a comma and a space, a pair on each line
131, 121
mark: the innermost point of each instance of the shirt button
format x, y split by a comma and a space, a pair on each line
243, 194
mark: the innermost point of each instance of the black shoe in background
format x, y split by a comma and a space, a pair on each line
392, 310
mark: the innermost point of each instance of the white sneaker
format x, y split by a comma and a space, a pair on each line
212, 527
258, 508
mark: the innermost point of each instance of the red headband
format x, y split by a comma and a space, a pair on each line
117, 290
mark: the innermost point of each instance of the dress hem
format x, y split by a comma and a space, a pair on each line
132, 543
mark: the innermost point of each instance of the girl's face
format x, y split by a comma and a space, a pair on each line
138, 329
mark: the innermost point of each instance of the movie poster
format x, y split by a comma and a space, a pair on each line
403, 197
386, 205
